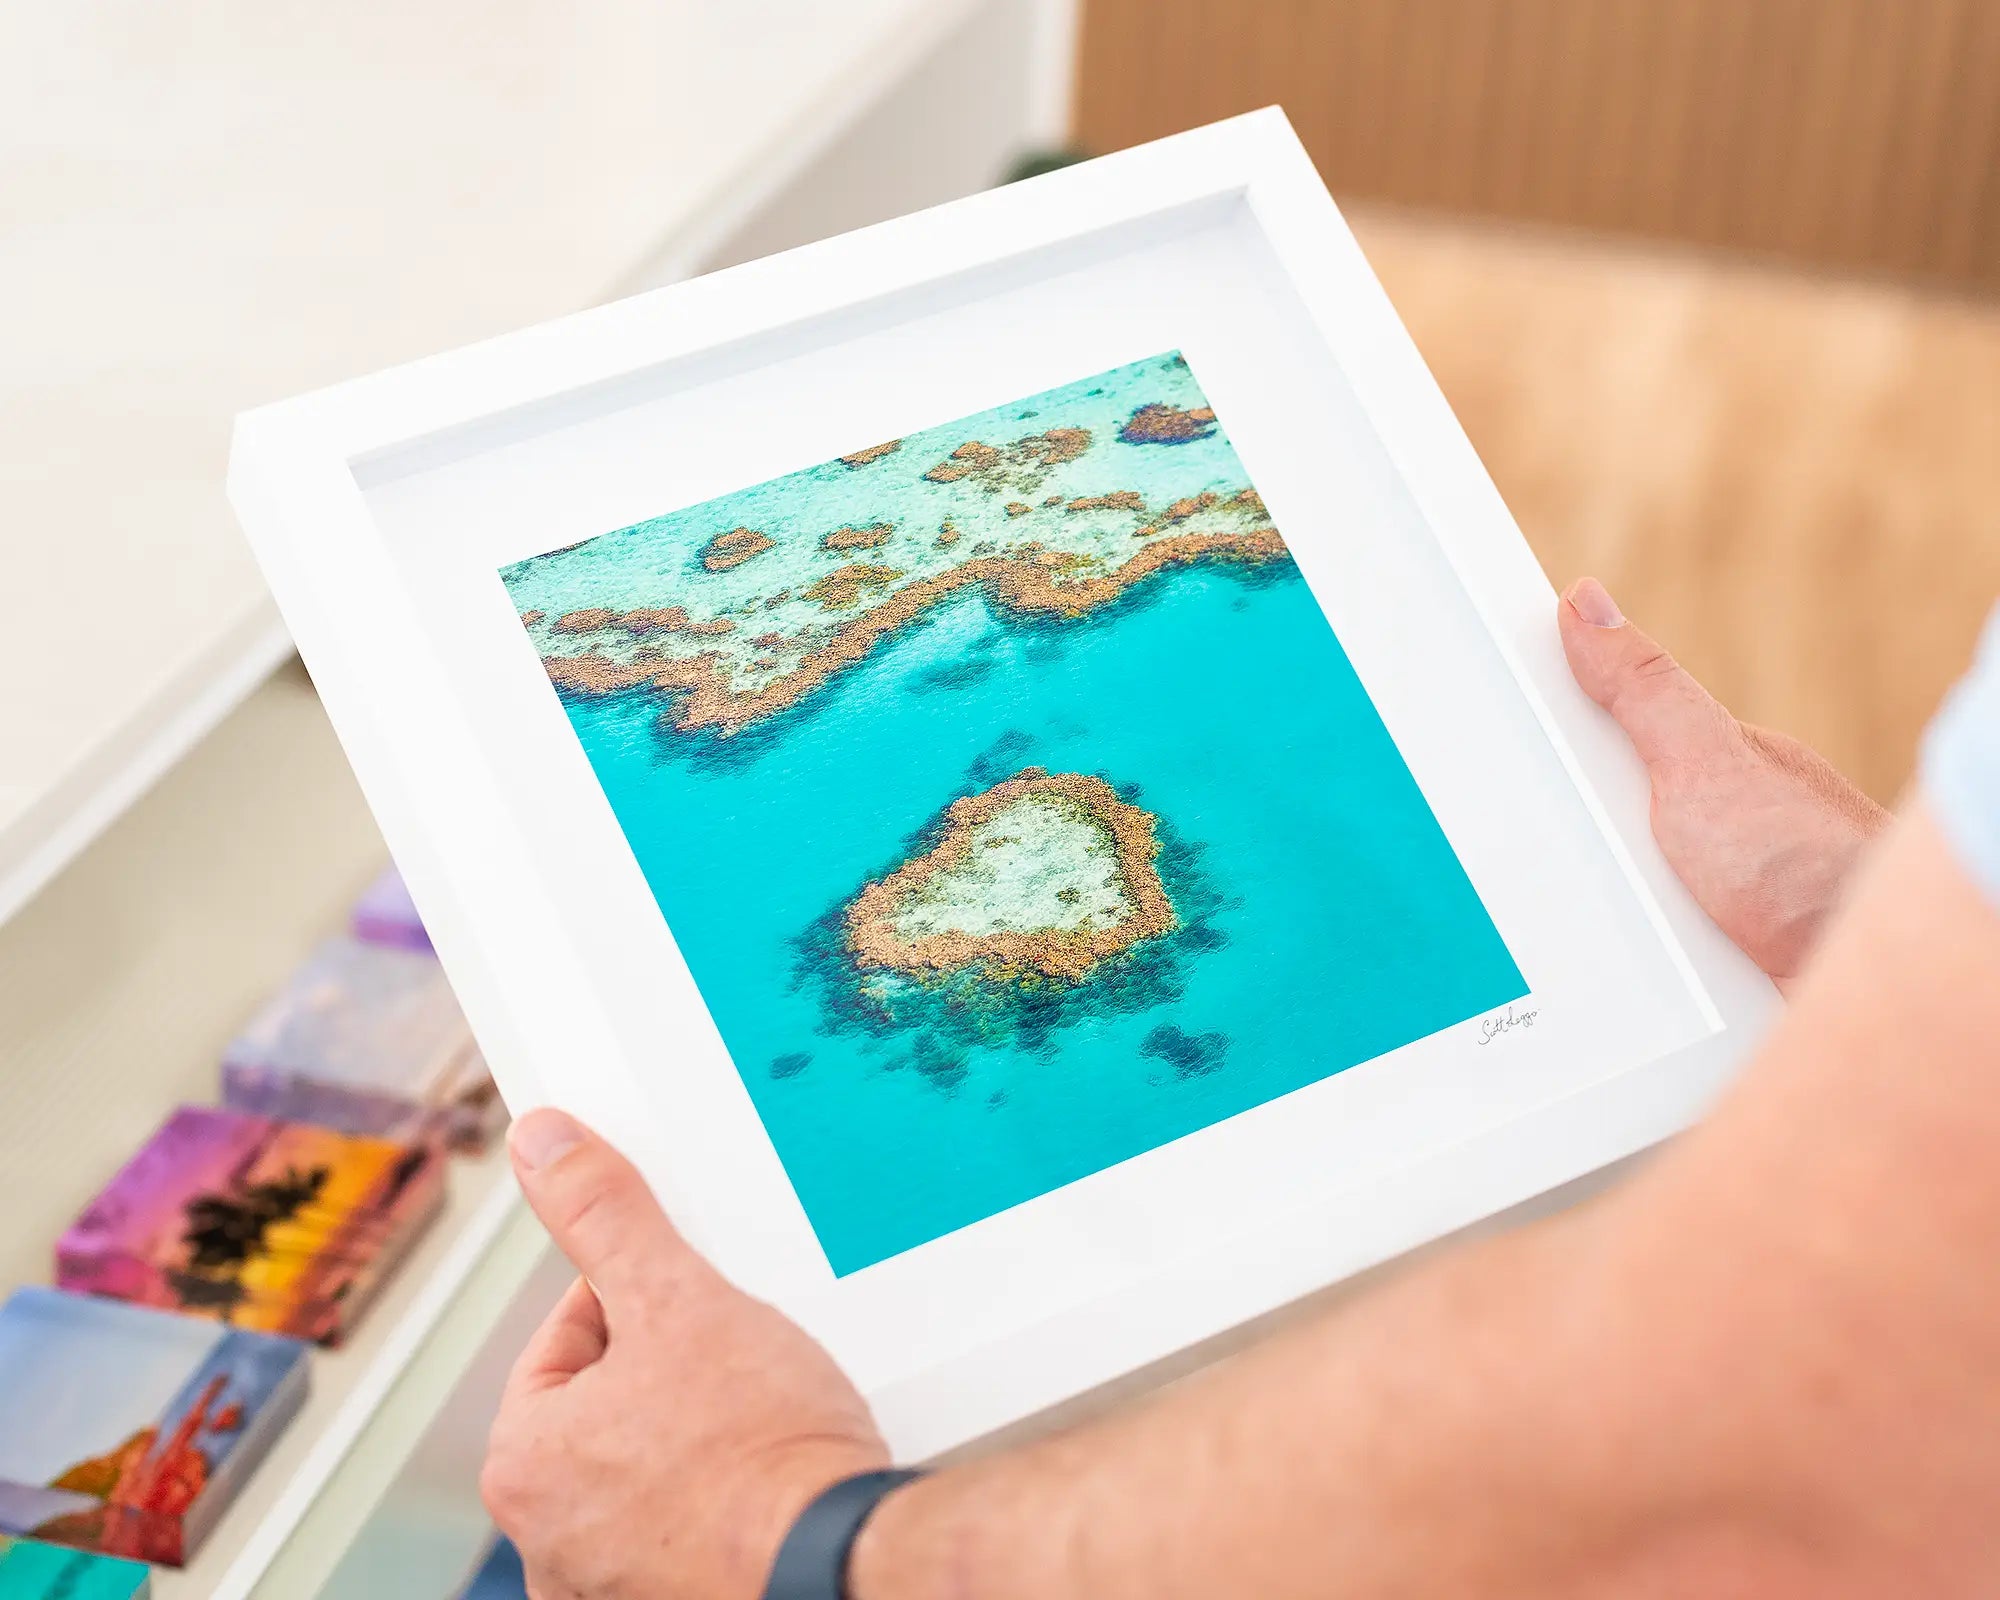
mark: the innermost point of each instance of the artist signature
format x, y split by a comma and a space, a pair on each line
1490, 1028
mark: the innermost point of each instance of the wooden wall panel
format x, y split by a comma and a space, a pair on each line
1862, 134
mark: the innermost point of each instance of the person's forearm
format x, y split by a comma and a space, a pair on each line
1672, 1391
1493, 1425
1452, 1436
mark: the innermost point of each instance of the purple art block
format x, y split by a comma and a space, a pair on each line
385, 914
367, 1039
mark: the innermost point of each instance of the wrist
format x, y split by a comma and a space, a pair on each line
907, 1547
773, 1501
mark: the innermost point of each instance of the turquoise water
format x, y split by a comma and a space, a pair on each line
1324, 916
33, 1571
1347, 927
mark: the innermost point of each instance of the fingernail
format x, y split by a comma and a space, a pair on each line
542, 1138
1591, 601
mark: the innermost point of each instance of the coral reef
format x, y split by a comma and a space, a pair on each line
1021, 583
732, 549
1117, 500
965, 902
842, 588
588, 620
874, 453
858, 538
1160, 423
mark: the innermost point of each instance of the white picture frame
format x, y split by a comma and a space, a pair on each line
382, 509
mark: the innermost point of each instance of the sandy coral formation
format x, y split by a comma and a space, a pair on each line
1181, 510
967, 459
867, 538
1160, 423
1020, 467
1117, 500
732, 549
1124, 836
653, 619
842, 588
1055, 446
874, 453
588, 620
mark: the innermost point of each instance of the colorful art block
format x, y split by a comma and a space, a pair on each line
367, 1039
385, 914
31, 1570
269, 1225
127, 1431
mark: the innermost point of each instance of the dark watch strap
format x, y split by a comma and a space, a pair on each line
812, 1562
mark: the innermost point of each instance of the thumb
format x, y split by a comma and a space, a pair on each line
600, 1212
1664, 712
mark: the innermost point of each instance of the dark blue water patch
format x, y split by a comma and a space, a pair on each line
950, 675
790, 1064
1191, 1055
936, 1061
1001, 759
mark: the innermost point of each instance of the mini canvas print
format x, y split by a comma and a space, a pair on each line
368, 1039
127, 1431
385, 914
1011, 800
32, 1570
263, 1224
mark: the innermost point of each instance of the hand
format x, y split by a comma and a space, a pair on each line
1762, 830
662, 1430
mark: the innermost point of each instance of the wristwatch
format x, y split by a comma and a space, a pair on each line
812, 1562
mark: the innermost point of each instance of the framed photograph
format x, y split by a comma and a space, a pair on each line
1014, 760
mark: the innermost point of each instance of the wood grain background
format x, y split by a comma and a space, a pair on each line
1855, 133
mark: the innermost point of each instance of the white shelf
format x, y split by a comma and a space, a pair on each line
120, 986
207, 213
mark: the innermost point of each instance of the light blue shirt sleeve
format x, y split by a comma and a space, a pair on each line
1961, 765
